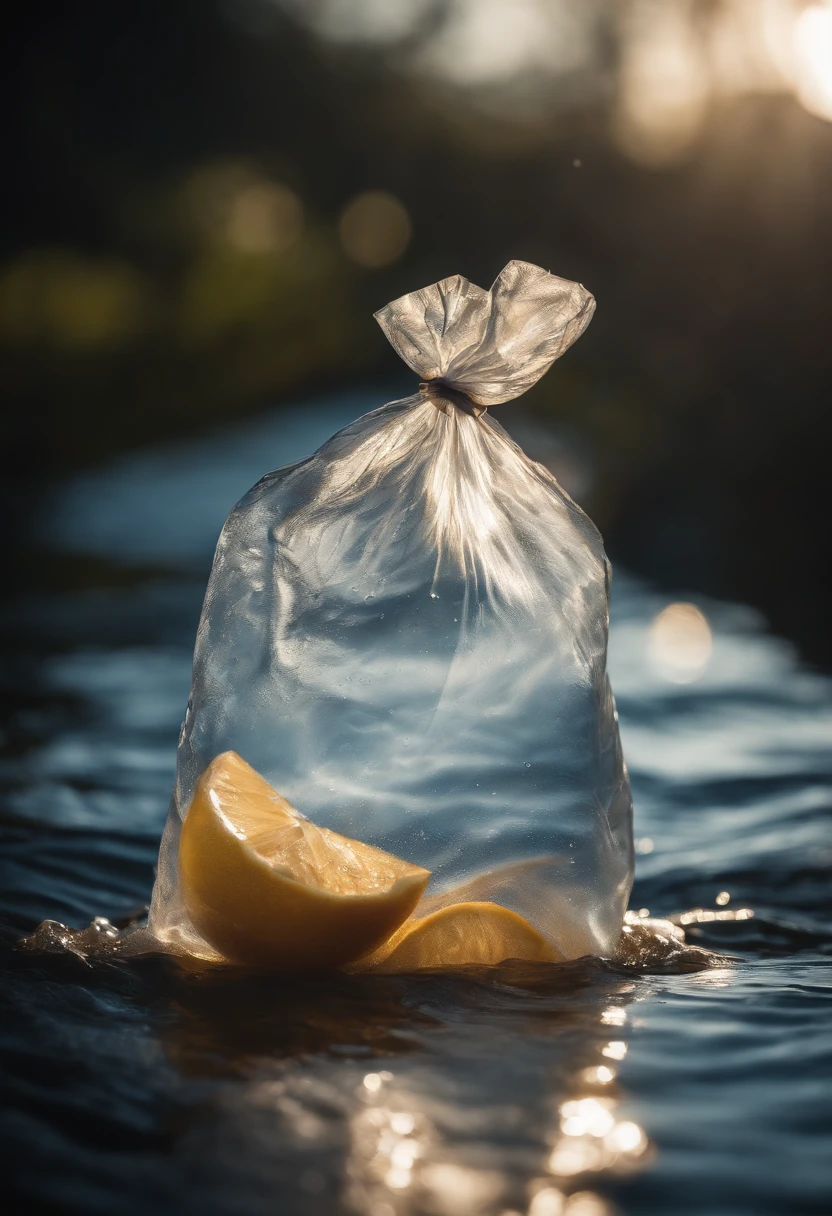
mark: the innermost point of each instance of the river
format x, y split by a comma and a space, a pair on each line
583, 1089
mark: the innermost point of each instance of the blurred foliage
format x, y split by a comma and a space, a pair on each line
206, 201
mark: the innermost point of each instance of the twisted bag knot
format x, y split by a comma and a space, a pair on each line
445, 398
473, 348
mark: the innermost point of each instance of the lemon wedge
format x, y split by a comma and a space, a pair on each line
266, 887
459, 935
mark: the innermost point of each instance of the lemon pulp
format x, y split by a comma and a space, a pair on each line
459, 935
265, 886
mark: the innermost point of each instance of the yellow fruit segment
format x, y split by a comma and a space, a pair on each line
459, 935
266, 887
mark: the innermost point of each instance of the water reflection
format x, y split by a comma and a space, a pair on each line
479, 1093
549, 1202
703, 916
680, 643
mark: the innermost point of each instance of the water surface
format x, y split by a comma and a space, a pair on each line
581, 1089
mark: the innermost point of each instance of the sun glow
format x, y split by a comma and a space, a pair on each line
813, 60
672, 66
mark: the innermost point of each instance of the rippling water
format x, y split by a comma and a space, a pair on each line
583, 1089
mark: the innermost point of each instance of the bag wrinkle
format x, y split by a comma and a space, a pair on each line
492, 345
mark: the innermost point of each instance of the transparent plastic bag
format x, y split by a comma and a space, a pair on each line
406, 634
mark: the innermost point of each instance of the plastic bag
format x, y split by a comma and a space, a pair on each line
406, 634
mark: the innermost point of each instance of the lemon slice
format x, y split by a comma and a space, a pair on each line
265, 886
459, 935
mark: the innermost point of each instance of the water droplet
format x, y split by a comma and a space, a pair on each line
528, 764
434, 596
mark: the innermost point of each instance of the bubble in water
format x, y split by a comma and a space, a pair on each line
528, 764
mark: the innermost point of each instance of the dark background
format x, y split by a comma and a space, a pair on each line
188, 236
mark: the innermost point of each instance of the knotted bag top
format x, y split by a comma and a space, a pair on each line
488, 346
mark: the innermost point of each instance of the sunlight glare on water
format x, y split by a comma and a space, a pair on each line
680, 643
